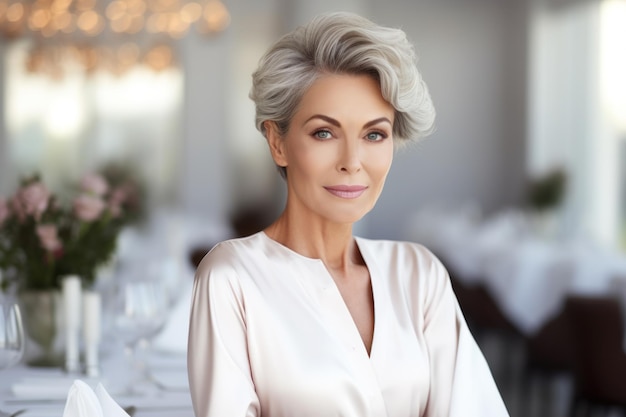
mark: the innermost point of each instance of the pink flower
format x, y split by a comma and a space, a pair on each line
119, 195
115, 209
88, 208
17, 208
4, 210
48, 236
31, 200
94, 184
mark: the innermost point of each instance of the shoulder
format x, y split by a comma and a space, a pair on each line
230, 258
407, 254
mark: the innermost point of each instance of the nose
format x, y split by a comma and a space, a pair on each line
349, 160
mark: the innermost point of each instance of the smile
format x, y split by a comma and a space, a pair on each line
346, 191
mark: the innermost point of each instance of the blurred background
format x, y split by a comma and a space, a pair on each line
529, 146
520, 88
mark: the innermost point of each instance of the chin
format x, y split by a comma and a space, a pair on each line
347, 217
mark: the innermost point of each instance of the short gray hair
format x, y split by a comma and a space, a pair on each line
342, 43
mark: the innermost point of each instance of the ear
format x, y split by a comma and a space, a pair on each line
276, 143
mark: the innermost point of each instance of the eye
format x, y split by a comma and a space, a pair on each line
375, 136
322, 134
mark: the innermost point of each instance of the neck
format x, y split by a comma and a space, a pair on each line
330, 242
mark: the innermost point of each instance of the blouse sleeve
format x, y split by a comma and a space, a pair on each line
461, 382
217, 359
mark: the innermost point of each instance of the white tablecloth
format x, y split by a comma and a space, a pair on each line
43, 391
529, 275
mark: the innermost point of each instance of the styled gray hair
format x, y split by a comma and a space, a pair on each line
342, 43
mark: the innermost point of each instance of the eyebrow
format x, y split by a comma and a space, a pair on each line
335, 122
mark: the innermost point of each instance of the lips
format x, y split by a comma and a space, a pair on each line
346, 191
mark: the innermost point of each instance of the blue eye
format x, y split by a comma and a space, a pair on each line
322, 134
375, 136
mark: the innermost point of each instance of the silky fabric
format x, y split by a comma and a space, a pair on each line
271, 336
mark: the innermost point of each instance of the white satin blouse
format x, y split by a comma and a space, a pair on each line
271, 336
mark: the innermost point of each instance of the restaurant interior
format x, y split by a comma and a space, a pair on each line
143, 105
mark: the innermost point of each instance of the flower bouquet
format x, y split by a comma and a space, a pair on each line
44, 238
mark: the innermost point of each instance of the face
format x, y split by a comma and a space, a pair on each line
338, 149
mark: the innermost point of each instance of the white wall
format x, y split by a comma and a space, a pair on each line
204, 189
472, 54
6, 177
568, 124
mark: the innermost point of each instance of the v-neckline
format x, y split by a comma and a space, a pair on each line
373, 282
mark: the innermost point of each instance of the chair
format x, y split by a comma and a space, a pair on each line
196, 254
551, 349
487, 321
248, 220
549, 356
479, 307
600, 361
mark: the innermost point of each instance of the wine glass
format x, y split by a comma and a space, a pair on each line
140, 312
11, 338
11, 335
162, 271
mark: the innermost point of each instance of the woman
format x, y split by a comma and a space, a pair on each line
303, 319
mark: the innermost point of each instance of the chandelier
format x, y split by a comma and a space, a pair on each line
113, 35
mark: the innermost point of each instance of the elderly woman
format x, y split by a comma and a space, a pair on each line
302, 318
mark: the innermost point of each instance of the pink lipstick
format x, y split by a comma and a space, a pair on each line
346, 191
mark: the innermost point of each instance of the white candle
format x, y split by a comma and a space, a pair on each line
72, 303
92, 308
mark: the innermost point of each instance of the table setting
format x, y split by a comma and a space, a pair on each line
131, 342
94, 305
44, 392
131, 347
112, 345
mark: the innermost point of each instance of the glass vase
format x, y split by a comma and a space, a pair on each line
43, 325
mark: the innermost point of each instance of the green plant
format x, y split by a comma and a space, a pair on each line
547, 192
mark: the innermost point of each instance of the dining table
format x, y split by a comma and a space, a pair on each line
529, 271
166, 240
150, 382
162, 390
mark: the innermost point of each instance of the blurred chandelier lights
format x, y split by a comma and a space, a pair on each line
114, 35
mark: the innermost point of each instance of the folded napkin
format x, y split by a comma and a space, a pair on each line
46, 386
82, 401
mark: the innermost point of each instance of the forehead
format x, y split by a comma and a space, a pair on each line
345, 96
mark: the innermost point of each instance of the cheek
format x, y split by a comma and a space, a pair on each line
310, 160
382, 163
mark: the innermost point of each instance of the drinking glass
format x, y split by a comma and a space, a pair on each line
140, 312
162, 272
11, 335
